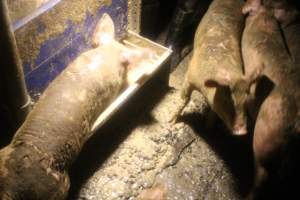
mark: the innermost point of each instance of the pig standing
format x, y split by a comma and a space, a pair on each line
35, 164
216, 68
277, 130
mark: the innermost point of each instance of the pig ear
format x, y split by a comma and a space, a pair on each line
104, 32
130, 56
251, 6
256, 75
221, 78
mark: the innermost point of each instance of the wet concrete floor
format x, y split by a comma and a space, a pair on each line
139, 155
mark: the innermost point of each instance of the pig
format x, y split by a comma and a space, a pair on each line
277, 114
263, 48
35, 164
276, 140
216, 68
289, 18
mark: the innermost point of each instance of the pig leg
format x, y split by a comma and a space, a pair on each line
186, 93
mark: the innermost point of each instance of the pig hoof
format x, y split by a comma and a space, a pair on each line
240, 132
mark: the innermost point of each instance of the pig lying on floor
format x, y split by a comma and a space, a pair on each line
35, 164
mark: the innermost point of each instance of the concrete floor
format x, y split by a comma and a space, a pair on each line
139, 155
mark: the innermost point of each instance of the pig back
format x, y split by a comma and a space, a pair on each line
263, 47
217, 42
65, 112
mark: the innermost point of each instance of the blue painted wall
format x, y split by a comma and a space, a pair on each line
57, 52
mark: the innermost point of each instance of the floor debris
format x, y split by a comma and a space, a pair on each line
162, 161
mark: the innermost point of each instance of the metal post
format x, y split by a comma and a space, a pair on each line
13, 90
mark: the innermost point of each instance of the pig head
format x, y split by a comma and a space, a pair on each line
216, 68
229, 95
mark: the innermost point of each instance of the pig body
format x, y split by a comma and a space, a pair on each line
276, 145
53, 134
35, 164
216, 68
263, 47
289, 18
276, 130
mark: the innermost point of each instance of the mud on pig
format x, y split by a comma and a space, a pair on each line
35, 164
216, 68
277, 131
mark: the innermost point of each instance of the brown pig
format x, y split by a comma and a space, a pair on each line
289, 18
216, 68
277, 129
263, 48
276, 141
34, 166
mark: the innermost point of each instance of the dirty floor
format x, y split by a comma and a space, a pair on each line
138, 153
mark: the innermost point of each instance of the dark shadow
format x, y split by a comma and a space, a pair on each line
6, 130
264, 87
283, 173
236, 151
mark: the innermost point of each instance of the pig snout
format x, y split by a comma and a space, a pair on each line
239, 125
240, 129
